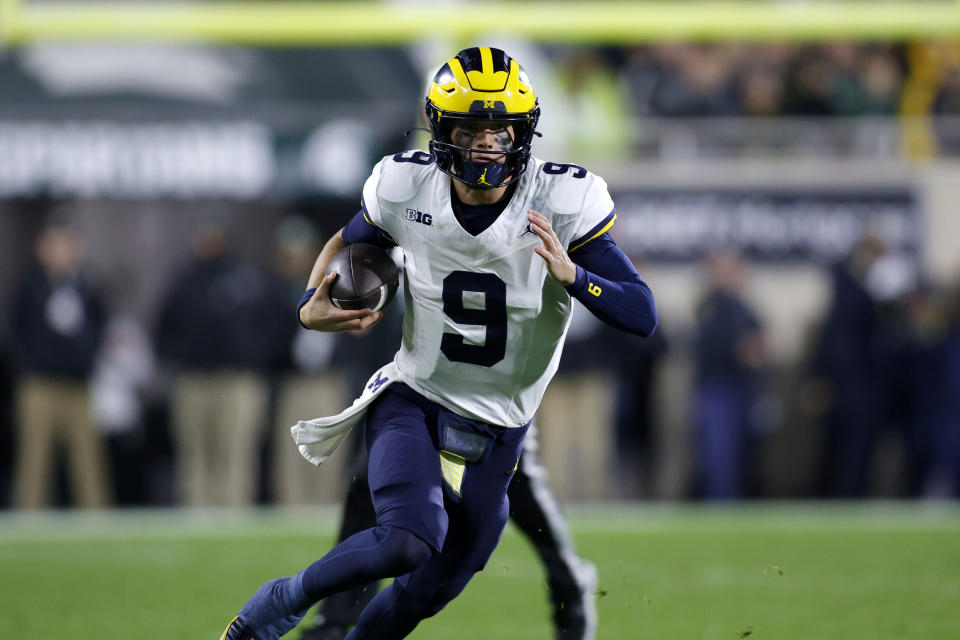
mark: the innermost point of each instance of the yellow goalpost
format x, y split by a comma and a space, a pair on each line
370, 23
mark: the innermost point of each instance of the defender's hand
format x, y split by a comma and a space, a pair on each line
559, 265
321, 315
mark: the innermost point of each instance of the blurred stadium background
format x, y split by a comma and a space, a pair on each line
787, 178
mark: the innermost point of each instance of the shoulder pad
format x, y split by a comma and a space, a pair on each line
402, 174
567, 187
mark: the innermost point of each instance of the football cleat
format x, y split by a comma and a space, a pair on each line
587, 577
238, 630
578, 621
269, 614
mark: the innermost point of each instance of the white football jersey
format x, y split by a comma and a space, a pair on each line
484, 323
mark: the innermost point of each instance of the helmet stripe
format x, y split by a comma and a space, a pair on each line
459, 73
486, 61
485, 78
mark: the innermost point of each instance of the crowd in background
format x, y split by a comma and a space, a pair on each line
193, 407
727, 91
843, 79
887, 359
738, 79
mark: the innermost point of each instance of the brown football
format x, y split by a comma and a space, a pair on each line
367, 277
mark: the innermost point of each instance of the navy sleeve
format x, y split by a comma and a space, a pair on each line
362, 229
304, 299
609, 286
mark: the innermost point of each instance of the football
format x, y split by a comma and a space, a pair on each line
367, 277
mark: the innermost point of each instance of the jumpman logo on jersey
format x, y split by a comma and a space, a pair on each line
525, 231
483, 178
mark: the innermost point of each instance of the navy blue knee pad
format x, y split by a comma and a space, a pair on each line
403, 551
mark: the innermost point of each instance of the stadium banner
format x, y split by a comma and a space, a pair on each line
245, 160
767, 224
77, 159
235, 159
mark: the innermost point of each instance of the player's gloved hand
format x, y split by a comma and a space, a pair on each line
559, 265
320, 314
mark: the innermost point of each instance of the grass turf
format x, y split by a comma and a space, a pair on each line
764, 571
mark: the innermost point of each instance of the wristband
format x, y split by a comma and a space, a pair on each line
304, 299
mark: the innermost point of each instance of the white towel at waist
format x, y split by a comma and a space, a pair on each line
318, 438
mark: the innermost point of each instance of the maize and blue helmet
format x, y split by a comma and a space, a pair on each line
482, 84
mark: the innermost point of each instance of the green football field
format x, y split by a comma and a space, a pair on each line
766, 571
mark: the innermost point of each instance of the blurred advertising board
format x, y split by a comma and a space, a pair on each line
767, 224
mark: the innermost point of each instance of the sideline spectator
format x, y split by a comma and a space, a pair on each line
637, 365
58, 323
942, 479
576, 445
308, 387
222, 326
846, 374
730, 353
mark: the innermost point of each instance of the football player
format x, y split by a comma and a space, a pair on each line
496, 246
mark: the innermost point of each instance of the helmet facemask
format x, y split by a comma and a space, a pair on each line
482, 168
482, 89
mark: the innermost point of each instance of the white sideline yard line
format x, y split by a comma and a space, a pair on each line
635, 518
168, 524
799, 516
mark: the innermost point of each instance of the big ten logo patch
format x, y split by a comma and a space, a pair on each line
418, 216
